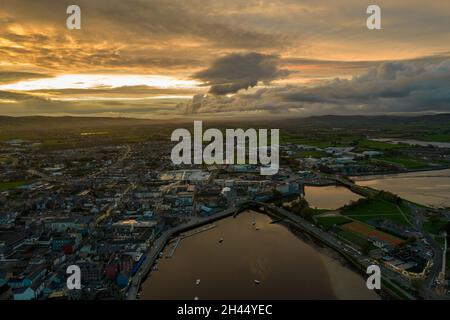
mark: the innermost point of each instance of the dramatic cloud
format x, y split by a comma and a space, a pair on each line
390, 87
13, 76
314, 41
124, 91
21, 104
116, 34
234, 72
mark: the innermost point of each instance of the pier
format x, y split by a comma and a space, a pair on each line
174, 247
193, 233
190, 234
161, 242
273, 211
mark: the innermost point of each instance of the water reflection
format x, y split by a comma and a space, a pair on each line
283, 266
329, 197
430, 188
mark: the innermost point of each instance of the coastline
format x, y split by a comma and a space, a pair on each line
334, 258
345, 280
335, 264
368, 174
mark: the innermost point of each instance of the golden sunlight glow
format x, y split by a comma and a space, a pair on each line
7, 101
90, 81
90, 98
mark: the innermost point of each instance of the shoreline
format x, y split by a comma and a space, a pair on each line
336, 258
334, 262
399, 172
134, 289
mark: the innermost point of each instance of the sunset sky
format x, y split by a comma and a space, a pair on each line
199, 58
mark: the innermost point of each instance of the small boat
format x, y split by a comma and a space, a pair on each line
220, 240
197, 282
256, 228
257, 281
253, 222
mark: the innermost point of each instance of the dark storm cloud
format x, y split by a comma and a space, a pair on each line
390, 87
362, 64
234, 72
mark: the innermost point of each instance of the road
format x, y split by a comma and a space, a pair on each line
417, 223
121, 158
116, 203
315, 231
430, 282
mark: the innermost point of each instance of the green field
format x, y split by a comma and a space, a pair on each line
408, 163
353, 237
437, 137
379, 208
392, 153
364, 145
328, 222
286, 138
311, 154
436, 226
10, 185
321, 139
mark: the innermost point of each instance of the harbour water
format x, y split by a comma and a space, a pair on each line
430, 188
247, 257
329, 197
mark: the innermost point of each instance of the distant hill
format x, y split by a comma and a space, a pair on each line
373, 121
57, 123
344, 121
11, 124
